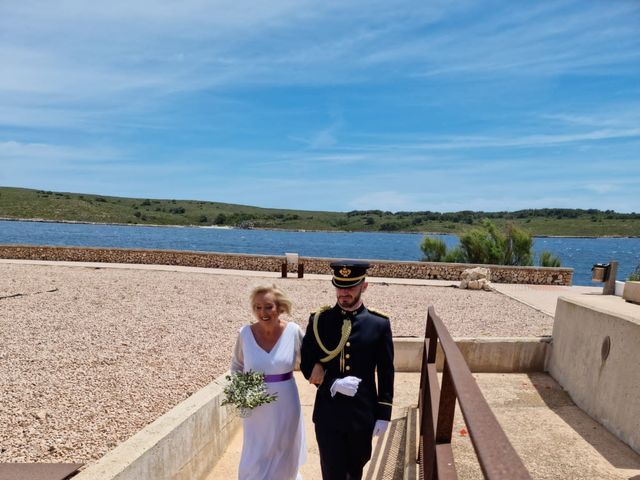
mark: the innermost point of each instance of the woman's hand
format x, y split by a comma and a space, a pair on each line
317, 374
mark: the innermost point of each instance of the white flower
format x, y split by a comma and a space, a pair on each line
246, 390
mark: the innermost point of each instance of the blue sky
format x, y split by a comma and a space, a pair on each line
326, 105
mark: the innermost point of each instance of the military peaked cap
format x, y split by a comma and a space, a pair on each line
348, 273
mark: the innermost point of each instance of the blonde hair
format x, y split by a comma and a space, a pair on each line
282, 302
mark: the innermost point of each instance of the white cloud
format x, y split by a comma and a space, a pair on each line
49, 154
120, 47
601, 188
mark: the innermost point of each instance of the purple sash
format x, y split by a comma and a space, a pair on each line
278, 377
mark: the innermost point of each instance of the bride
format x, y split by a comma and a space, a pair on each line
273, 435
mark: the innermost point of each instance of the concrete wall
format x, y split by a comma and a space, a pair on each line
483, 355
596, 358
380, 268
183, 444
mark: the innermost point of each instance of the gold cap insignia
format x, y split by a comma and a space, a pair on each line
345, 272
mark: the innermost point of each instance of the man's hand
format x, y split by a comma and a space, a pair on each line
380, 427
347, 386
317, 374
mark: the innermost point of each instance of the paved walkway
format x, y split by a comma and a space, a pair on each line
543, 297
406, 395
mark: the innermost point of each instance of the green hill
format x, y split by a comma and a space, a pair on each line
21, 203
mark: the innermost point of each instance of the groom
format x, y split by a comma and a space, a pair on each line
342, 349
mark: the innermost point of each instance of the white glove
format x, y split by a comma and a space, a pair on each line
380, 427
347, 386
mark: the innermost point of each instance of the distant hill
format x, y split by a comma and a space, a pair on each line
21, 203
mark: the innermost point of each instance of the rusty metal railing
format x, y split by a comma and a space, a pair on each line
497, 457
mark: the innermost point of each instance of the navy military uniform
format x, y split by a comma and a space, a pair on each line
349, 343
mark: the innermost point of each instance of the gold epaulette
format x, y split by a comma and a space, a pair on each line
324, 308
379, 313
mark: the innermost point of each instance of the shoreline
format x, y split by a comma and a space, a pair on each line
301, 230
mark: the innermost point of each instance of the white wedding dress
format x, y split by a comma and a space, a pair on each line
273, 445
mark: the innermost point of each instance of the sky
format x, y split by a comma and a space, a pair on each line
438, 105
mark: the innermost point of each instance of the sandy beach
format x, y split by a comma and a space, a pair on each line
89, 356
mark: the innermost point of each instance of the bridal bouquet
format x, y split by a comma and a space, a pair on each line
246, 390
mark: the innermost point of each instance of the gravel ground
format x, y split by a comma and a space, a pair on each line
89, 356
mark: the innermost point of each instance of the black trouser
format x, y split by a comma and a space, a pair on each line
343, 455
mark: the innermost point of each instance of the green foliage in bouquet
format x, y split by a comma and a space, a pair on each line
246, 390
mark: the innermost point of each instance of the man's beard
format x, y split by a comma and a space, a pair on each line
350, 303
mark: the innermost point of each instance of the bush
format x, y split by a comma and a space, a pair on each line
635, 275
389, 227
340, 222
548, 259
455, 255
518, 247
482, 246
434, 249
486, 245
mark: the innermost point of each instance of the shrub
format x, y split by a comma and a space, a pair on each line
486, 245
548, 259
518, 247
434, 249
480, 246
635, 275
388, 227
455, 255
340, 222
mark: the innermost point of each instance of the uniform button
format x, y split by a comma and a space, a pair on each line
348, 356
348, 367
348, 344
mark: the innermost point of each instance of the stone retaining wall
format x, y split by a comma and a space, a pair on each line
380, 268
